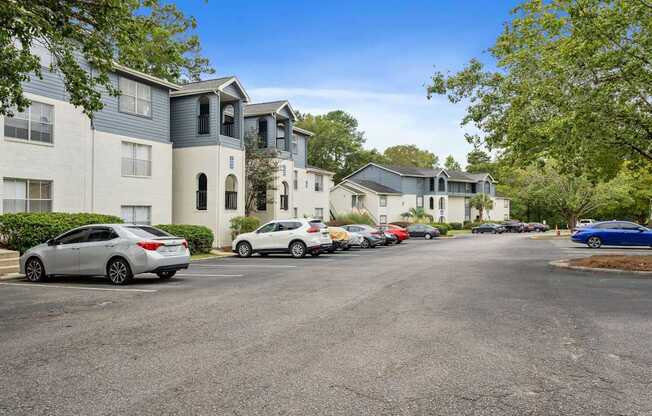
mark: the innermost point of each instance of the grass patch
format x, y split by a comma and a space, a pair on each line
458, 232
629, 263
202, 256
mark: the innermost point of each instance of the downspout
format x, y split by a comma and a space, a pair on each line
219, 165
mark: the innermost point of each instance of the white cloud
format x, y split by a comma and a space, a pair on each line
387, 118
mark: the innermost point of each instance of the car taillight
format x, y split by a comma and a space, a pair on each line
313, 229
185, 243
150, 245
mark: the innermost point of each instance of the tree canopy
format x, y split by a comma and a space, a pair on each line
451, 164
143, 34
573, 83
410, 155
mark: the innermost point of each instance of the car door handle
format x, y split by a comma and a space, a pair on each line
110, 245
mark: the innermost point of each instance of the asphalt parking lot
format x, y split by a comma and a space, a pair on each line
471, 325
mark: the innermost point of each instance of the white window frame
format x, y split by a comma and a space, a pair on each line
28, 198
28, 113
132, 160
143, 93
382, 200
419, 201
319, 183
231, 162
133, 218
319, 215
383, 219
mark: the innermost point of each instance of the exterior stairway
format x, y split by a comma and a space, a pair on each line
8, 263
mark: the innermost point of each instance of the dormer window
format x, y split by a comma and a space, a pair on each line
442, 185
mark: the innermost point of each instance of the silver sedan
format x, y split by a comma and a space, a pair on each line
118, 251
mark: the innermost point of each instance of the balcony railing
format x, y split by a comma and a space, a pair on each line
203, 124
228, 130
285, 199
230, 200
202, 201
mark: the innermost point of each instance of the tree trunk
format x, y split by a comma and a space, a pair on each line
572, 221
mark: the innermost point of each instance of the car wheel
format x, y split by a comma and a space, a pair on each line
166, 275
315, 253
119, 272
331, 250
346, 248
365, 244
474, 231
398, 241
263, 254
244, 249
427, 236
34, 270
594, 242
494, 232
298, 249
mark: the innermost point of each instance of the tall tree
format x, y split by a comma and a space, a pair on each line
261, 169
336, 138
410, 155
451, 163
574, 83
482, 203
97, 33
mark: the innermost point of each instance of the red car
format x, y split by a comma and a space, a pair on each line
400, 232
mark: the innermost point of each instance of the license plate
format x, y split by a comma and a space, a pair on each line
171, 249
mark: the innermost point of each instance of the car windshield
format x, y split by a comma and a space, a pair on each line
145, 231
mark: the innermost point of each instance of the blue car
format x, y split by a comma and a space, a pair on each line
613, 233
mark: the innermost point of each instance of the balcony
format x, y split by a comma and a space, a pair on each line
203, 124
201, 200
285, 199
228, 130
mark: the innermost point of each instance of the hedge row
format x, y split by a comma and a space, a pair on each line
199, 238
241, 225
25, 230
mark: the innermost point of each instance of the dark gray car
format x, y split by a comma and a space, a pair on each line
371, 236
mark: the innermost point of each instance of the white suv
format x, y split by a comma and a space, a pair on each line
295, 236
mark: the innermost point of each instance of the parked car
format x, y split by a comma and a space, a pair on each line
422, 230
514, 226
539, 227
584, 223
400, 232
297, 236
118, 251
371, 237
340, 238
389, 237
613, 233
488, 228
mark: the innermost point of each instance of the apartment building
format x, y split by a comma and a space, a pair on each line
54, 158
386, 192
299, 190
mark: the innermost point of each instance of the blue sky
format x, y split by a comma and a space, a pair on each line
369, 58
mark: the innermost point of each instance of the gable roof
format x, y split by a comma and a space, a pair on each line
315, 169
146, 77
210, 85
453, 175
272, 107
302, 131
374, 186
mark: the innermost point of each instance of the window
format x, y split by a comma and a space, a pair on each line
383, 219
228, 121
262, 133
285, 198
295, 212
280, 143
295, 180
382, 200
35, 124
144, 231
432, 184
231, 162
284, 170
204, 120
202, 192
442, 185
487, 188
354, 201
419, 202
134, 214
135, 98
506, 203
319, 213
136, 159
73, 237
319, 183
101, 234
288, 225
27, 195
231, 192
442, 203
431, 203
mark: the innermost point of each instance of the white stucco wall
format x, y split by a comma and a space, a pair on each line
85, 167
455, 209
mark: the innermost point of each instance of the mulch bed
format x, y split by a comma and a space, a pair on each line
631, 263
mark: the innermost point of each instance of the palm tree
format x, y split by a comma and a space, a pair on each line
481, 202
417, 215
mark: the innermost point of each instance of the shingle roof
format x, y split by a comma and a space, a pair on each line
375, 186
209, 85
413, 171
260, 109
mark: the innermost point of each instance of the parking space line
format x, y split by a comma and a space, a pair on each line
209, 275
47, 285
266, 266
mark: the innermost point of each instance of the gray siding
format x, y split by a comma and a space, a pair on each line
300, 159
373, 173
50, 86
183, 121
156, 127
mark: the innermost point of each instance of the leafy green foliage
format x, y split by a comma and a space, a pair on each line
443, 228
452, 164
240, 225
22, 231
261, 169
417, 215
352, 218
143, 34
410, 155
199, 238
455, 225
574, 82
482, 203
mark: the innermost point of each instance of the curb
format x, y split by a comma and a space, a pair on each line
11, 276
564, 264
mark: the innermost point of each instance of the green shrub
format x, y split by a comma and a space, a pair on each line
22, 231
240, 225
199, 238
352, 218
455, 225
443, 228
